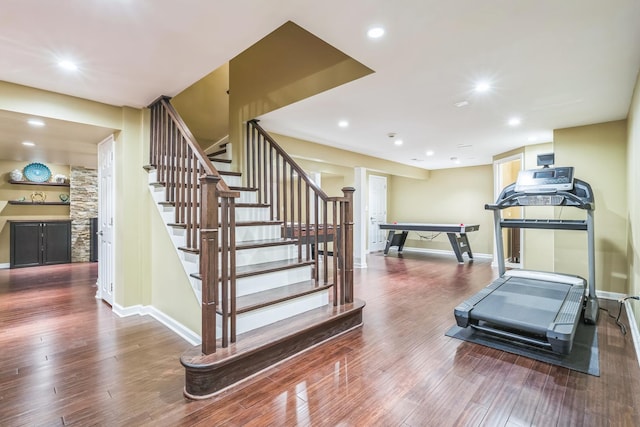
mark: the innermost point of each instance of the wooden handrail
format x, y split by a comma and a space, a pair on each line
307, 213
289, 159
196, 189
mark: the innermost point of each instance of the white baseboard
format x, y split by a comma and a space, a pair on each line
635, 335
5, 266
148, 310
443, 252
615, 296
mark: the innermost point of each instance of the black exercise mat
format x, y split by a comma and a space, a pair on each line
584, 356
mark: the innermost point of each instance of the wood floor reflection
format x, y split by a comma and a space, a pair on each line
66, 359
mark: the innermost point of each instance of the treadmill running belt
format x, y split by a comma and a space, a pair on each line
525, 304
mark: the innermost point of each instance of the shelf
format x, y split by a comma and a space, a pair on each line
18, 202
51, 184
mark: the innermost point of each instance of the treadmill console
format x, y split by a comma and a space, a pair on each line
546, 180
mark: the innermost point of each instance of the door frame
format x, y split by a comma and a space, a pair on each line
369, 210
498, 186
103, 258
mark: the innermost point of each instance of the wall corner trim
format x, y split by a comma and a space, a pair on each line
148, 310
443, 252
635, 335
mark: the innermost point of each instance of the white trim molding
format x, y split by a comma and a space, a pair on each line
443, 252
147, 310
7, 265
635, 335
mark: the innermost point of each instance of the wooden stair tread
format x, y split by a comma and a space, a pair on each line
261, 348
250, 205
252, 244
238, 223
217, 153
253, 223
269, 335
268, 267
264, 267
277, 295
220, 160
234, 188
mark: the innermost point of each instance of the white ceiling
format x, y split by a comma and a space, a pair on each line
553, 63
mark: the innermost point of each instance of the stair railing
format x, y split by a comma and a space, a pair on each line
205, 208
322, 225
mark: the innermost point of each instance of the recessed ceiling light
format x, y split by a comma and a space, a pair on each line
461, 104
343, 123
482, 87
35, 122
28, 143
398, 142
430, 153
68, 65
514, 121
375, 32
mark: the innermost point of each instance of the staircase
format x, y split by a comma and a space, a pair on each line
268, 254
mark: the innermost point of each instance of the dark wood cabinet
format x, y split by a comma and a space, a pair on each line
40, 243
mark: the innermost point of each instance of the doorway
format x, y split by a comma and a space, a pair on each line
377, 212
505, 173
105, 220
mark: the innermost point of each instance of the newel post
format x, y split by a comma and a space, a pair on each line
209, 259
347, 227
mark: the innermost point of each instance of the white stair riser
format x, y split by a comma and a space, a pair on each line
247, 197
250, 214
232, 180
258, 232
243, 234
242, 213
257, 318
222, 166
276, 279
268, 254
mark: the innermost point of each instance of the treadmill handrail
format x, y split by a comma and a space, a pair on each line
509, 197
512, 200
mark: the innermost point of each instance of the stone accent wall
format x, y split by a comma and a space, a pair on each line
84, 206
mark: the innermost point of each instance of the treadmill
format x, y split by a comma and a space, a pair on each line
533, 308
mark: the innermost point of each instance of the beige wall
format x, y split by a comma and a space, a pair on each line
18, 212
172, 293
599, 155
334, 161
204, 106
146, 267
633, 200
286, 66
450, 196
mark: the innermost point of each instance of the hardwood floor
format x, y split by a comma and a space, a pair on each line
66, 359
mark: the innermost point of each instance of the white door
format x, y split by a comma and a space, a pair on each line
377, 212
105, 220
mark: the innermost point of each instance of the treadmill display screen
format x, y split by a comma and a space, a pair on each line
545, 180
544, 174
